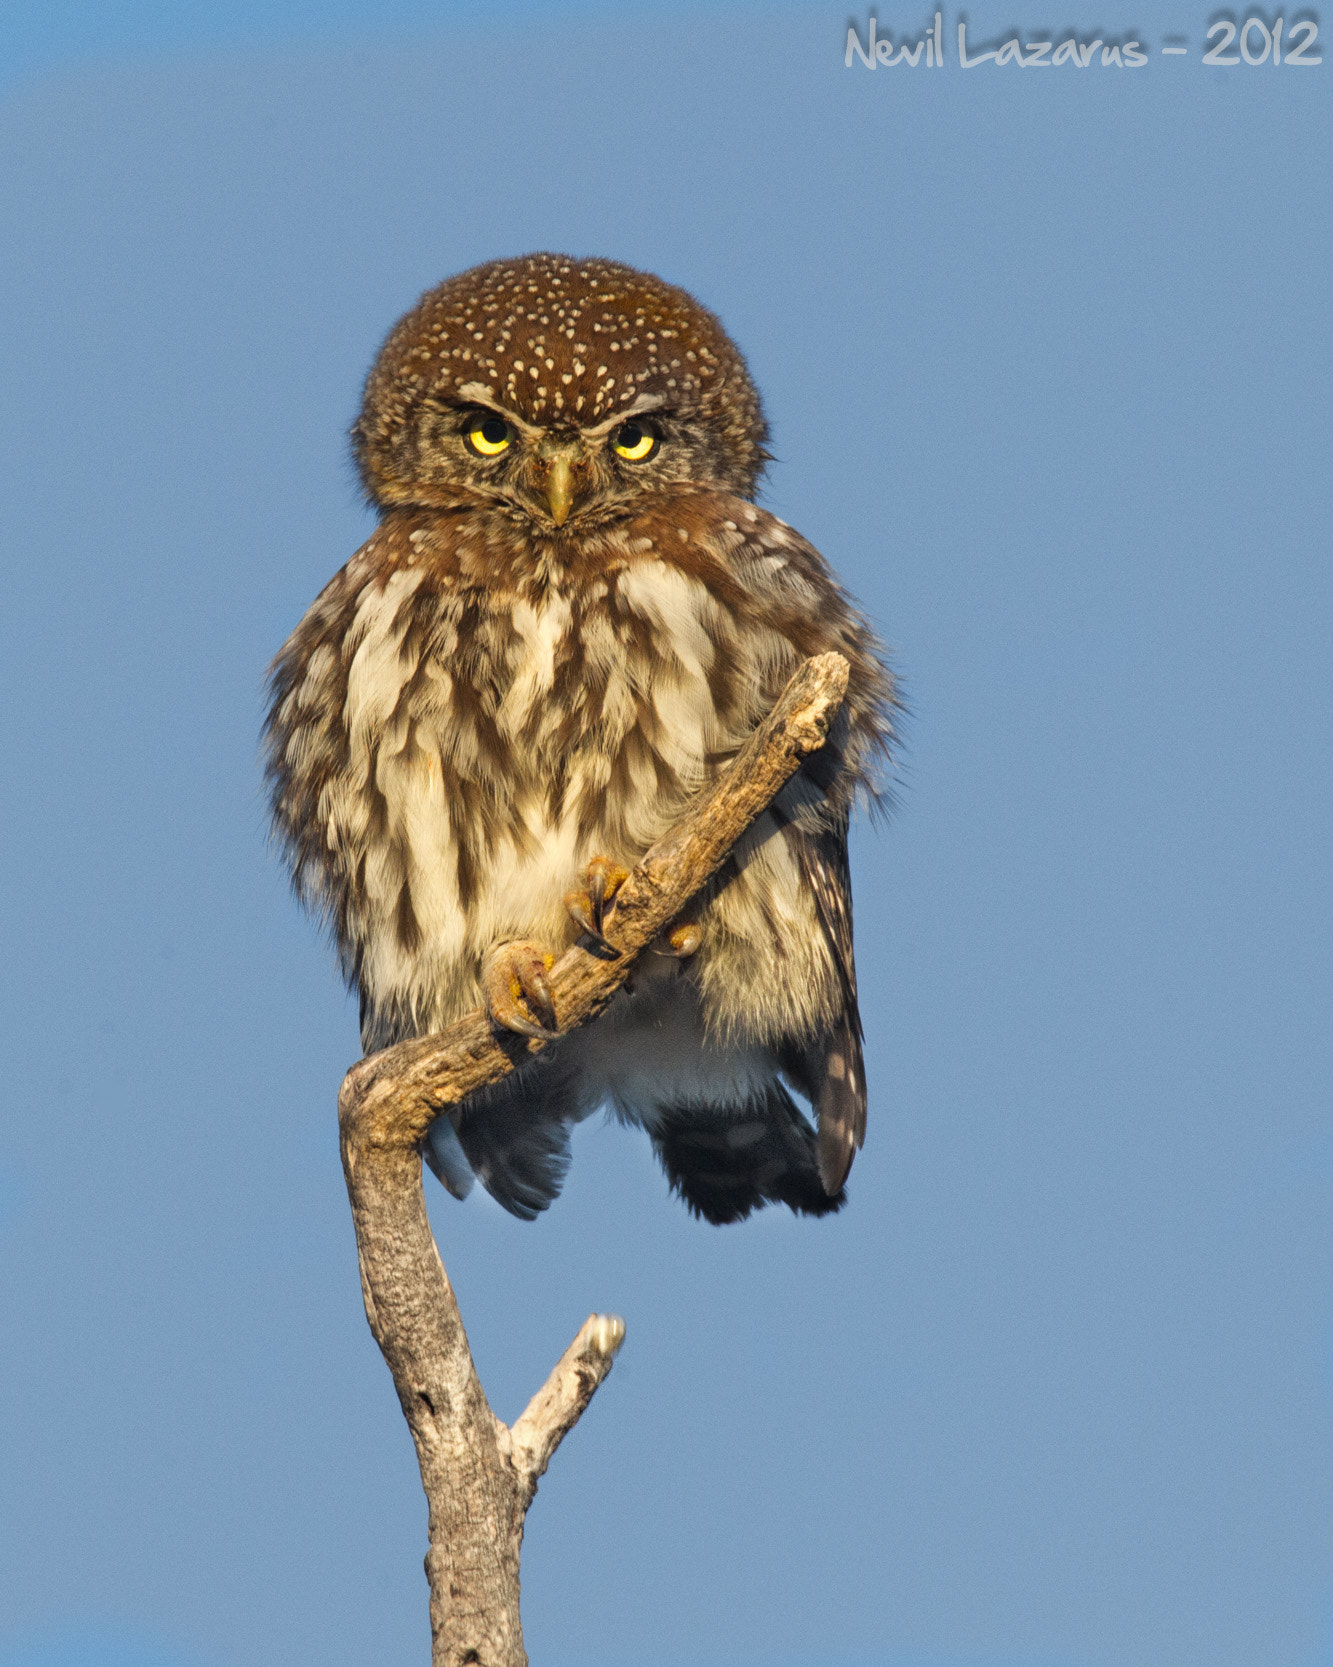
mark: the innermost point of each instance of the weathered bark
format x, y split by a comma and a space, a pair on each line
480, 1474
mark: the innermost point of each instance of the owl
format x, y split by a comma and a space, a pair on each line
571, 616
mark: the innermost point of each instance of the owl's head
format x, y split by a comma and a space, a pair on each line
562, 388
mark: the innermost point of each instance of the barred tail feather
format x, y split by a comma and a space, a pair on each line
725, 1161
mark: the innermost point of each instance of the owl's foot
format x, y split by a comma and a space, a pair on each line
680, 941
589, 909
514, 982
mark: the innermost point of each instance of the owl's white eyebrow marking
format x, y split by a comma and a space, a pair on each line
477, 393
645, 402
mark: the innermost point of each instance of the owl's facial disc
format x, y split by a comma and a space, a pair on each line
554, 473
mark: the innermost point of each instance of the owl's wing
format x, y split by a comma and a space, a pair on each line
829, 1068
784, 604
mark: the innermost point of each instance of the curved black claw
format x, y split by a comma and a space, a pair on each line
577, 903
589, 909
525, 1027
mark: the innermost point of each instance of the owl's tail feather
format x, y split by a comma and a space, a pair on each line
513, 1138
725, 1161
443, 1151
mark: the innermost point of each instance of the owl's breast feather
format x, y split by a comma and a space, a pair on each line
447, 755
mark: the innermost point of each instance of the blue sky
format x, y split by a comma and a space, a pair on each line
1047, 363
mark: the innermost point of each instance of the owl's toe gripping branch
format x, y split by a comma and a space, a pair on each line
589, 909
517, 990
680, 941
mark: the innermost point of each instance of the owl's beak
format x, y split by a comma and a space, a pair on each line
560, 453
560, 489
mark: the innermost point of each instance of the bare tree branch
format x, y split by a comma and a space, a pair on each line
479, 1475
559, 1404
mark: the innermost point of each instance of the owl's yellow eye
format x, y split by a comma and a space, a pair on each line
634, 442
488, 436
